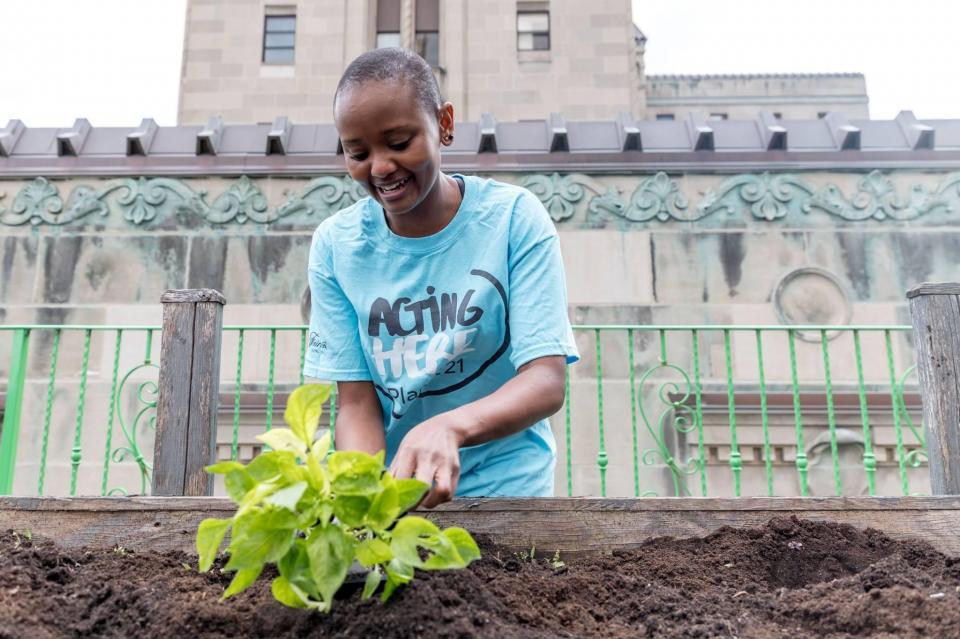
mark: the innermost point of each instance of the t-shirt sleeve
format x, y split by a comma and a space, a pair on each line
539, 325
334, 352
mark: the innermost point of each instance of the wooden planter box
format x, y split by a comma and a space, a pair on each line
569, 525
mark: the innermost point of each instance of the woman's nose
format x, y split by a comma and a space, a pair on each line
382, 166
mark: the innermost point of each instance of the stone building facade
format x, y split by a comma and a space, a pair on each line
790, 96
478, 63
250, 61
663, 225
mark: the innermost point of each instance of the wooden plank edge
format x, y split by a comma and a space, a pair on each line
574, 504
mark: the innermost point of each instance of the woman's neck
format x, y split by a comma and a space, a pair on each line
433, 214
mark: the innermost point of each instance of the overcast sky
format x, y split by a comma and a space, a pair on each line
118, 61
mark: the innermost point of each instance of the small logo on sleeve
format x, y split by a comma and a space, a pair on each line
317, 345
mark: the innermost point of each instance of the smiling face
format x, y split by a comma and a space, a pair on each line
392, 145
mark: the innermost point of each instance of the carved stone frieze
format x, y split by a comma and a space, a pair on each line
572, 199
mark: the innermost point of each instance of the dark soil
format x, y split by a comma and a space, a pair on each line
790, 578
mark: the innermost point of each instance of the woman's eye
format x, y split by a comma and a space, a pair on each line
400, 146
357, 157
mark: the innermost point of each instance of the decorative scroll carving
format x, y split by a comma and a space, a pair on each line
767, 197
322, 198
568, 198
656, 198
877, 198
38, 202
561, 194
242, 201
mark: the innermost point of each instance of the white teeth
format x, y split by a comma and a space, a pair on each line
394, 186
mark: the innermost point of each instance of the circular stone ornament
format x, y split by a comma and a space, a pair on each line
812, 295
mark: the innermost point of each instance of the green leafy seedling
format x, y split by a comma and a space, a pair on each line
312, 513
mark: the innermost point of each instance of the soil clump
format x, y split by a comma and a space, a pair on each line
790, 578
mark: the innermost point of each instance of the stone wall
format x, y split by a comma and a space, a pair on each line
793, 96
589, 72
662, 249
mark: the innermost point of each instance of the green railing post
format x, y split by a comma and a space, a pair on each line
11, 412
601, 441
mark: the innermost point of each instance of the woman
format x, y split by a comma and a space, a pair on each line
438, 303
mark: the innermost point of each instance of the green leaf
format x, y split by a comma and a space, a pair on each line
283, 439
288, 497
370, 584
410, 534
373, 551
238, 483
354, 473
275, 463
254, 497
241, 581
304, 408
398, 573
259, 537
317, 474
410, 492
209, 536
331, 552
284, 592
385, 509
295, 568
351, 510
322, 446
224, 467
466, 546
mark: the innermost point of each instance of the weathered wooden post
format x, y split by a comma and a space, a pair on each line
935, 311
189, 388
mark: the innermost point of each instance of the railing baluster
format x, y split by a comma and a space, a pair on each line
736, 463
11, 413
801, 457
895, 407
48, 409
869, 459
108, 440
76, 451
270, 373
831, 415
303, 353
764, 421
235, 436
602, 449
567, 434
633, 415
698, 390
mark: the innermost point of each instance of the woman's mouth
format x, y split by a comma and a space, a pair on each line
393, 190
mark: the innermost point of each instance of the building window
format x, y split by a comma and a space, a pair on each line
279, 33
388, 39
665, 116
427, 31
388, 23
718, 116
533, 30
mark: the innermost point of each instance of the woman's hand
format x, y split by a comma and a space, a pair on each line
430, 452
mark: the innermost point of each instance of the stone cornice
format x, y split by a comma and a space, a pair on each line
620, 145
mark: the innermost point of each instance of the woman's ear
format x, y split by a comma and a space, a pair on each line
445, 119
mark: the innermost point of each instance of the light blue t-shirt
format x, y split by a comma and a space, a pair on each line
437, 322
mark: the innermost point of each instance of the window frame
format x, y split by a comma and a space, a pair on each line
534, 33
266, 32
436, 63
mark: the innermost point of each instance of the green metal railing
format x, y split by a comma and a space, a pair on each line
671, 410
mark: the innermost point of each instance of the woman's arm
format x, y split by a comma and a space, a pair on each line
431, 450
359, 423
